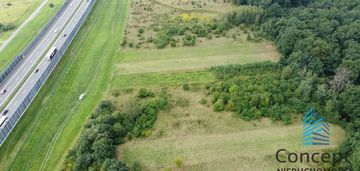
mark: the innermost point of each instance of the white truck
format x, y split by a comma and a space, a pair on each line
51, 53
3, 120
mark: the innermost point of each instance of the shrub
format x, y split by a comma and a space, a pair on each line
162, 40
144, 93
178, 162
219, 106
51, 5
7, 27
248, 37
189, 40
141, 30
203, 101
186, 87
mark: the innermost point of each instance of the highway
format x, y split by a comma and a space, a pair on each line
15, 78
25, 81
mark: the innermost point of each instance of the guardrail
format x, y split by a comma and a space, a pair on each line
16, 61
36, 88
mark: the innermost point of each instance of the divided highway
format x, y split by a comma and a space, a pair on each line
16, 77
22, 85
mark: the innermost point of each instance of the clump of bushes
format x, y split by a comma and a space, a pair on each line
106, 128
6, 27
144, 93
189, 40
259, 90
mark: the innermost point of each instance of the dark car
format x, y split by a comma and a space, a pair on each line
3, 91
5, 112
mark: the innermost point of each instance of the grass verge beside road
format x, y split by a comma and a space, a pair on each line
46, 131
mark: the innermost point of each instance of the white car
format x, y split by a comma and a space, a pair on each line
56, 30
82, 96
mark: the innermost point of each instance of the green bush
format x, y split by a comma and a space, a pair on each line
144, 93
219, 106
203, 101
162, 40
141, 30
189, 40
186, 87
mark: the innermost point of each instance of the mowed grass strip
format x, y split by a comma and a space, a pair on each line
51, 125
190, 58
25, 36
206, 148
150, 79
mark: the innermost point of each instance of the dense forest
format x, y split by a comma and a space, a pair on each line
320, 38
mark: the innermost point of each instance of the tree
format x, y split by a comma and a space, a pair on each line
113, 165
355, 158
103, 149
274, 10
340, 80
354, 67
350, 102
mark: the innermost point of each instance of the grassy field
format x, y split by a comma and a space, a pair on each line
18, 11
206, 140
51, 125
151, 79
190, 58
27, 33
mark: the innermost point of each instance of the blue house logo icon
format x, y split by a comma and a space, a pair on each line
316, 130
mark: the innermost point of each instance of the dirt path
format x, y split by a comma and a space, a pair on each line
13, 34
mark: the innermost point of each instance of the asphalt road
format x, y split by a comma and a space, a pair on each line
25, 78
34, 77
26, 66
